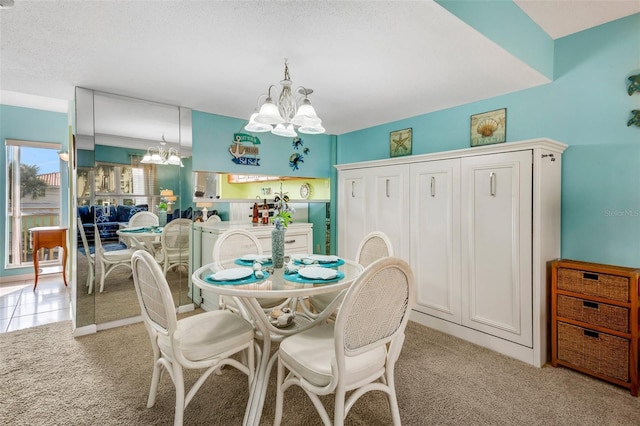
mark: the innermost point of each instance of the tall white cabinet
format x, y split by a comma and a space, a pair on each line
373, 200
479, 225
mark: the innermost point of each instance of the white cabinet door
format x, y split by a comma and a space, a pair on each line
496, 208
435, 236
352, 211
389, 207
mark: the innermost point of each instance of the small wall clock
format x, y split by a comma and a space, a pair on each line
305, 191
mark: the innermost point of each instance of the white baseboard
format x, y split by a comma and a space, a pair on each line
14, 278
496, 344
83, 331
119, 323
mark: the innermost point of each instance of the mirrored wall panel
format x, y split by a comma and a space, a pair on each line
131, 164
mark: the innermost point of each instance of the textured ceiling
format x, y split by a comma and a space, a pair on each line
369, 63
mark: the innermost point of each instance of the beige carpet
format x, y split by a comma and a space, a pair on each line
49, 378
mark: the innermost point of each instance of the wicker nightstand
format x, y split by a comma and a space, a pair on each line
594, 324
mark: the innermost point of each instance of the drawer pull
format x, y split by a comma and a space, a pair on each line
289, 241
592, 305
590, 276
593, 334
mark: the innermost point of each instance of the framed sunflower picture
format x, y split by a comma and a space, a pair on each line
489, 127
400, 142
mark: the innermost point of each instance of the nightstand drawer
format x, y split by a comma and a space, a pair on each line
598, 352
611, 287
600, 314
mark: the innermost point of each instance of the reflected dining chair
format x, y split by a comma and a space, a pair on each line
359, 351
373, 246
91, 257
109, 260
205, 341
142, 219
174, 243
214, 218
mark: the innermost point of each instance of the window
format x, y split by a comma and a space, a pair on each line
117, 184
33, 198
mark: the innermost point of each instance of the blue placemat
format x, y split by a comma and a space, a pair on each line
134, 231
250, 263
323, 264
250, 279
296, 278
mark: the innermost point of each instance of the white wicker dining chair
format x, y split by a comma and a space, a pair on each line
174, 243
233, 244
359, 351
91, 257
206, 341
142, 219
373, 246
109, 260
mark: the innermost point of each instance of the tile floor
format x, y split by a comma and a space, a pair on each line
21, 307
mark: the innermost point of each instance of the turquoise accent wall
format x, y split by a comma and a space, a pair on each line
31, 125
213, 135
586, 107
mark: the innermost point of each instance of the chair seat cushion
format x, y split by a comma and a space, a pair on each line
311, 352
118, 255
209, 334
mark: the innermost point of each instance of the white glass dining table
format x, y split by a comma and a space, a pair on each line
142, 238
276, 285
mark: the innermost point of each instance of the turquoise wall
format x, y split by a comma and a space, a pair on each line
31, 125
213, 135
586, 107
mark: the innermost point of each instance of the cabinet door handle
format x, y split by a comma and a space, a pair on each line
592, 305
433, 186
289, 241
492, 184
353, 189
590, 276
593, 334
387, 187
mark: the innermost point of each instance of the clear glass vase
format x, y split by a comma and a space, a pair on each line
162, 217
277, 247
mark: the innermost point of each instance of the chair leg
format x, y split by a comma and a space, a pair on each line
178, 381
90, 280
338, 414
155, 379
105, 270
393, 400
279, 394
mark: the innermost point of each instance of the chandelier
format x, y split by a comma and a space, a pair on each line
162, 155
280, 117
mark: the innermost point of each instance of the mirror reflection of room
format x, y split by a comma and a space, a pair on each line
115, 183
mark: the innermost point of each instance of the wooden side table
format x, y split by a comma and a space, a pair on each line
48, 237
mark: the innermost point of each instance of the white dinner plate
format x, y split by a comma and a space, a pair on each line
317, 273
252, 257
323, 258
232, 274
